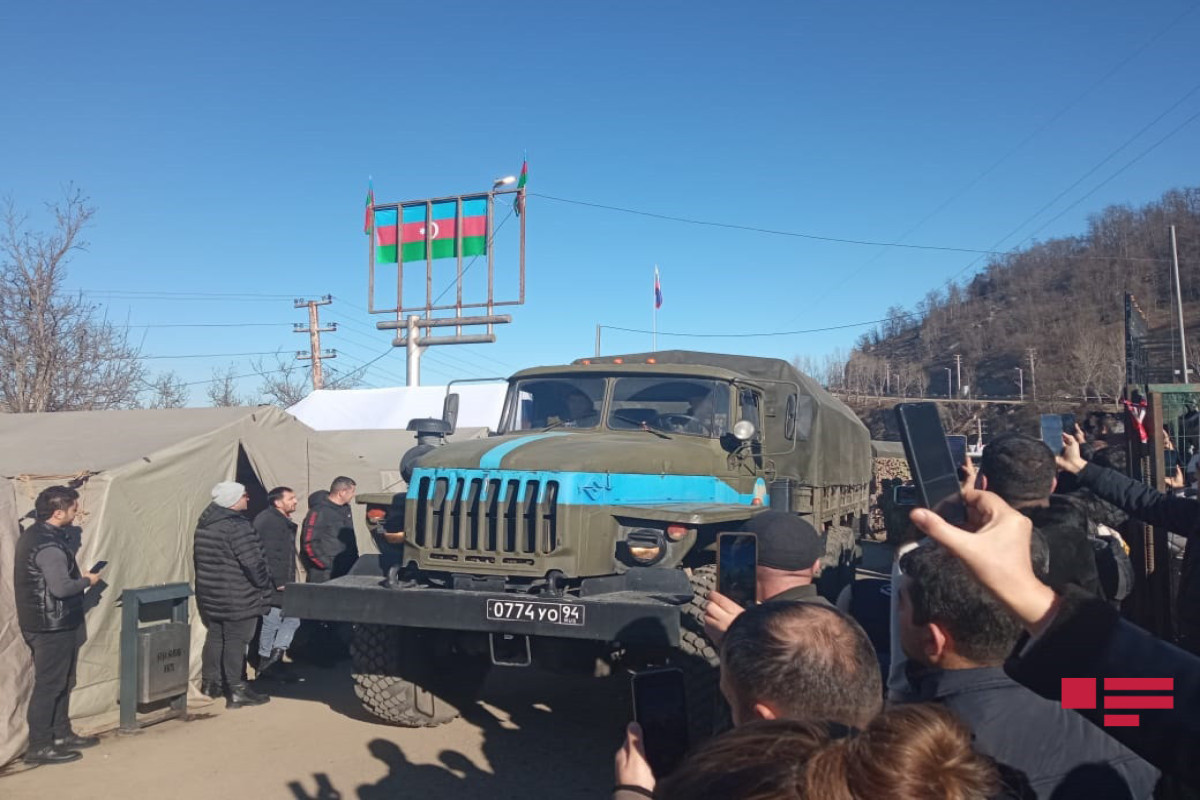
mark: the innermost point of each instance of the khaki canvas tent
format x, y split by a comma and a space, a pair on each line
144, 476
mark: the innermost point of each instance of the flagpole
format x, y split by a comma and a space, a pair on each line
654, 326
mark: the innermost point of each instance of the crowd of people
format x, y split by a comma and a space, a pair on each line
958, 693
953, 687
242, 569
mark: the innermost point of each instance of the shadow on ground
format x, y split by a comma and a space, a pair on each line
543, 735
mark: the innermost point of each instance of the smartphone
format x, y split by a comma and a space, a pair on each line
929, 460
1068, 423
958, 449
1052, 432
737, 564
905, 495
660, 707
99, 565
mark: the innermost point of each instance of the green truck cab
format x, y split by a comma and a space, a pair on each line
581, 536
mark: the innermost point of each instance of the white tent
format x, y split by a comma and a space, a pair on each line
144, 477
392, 408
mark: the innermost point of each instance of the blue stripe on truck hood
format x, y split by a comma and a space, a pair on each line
602, 488
492, 458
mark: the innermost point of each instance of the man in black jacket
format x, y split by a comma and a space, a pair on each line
327, 539
1022, 471
957, 637
49, 598
1179, 515
1074, 635
277, 532
231, 578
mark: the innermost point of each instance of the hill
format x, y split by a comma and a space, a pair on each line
1052, 314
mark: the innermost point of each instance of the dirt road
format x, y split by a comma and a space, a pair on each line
533, 735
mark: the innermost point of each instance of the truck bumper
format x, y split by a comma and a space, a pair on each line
625, 617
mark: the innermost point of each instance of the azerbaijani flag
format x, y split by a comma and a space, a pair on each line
519, 203
370, 206
657, 289
412, 236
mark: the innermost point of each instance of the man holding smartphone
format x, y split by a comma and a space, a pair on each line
789, 560
49, 596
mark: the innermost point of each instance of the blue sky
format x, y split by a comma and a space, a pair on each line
227, 148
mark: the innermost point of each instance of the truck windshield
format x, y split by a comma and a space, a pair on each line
692, 406
543, 402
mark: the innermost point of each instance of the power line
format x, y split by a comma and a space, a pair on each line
763, 334
204, 325
462, 353
1128, 164
217, 355
1112, 154
475, 258
813, 236
1012, 151
191, 295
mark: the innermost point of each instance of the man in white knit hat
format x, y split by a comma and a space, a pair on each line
231, 577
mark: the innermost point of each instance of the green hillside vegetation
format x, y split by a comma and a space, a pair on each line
1063, 298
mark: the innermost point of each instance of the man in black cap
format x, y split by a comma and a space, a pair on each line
789, 560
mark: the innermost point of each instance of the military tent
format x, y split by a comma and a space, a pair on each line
144, 476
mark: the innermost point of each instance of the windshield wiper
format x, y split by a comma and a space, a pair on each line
646, 427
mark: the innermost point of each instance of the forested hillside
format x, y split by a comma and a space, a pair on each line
1062, 300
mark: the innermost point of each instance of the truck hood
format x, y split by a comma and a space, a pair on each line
635, 452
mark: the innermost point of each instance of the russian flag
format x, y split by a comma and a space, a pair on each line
657, 289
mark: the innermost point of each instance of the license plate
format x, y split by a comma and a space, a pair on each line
531, 611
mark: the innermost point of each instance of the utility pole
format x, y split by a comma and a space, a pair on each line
1179, 307
314, 331
958, 370
1033, 370
1021, 382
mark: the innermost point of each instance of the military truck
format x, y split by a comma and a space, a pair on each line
581, 536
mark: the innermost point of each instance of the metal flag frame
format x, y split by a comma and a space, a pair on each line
410, 319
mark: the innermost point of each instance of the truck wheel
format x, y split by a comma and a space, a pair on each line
400, 677
700, 661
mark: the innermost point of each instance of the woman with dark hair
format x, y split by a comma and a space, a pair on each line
910, 752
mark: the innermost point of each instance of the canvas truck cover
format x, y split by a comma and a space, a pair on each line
833, 447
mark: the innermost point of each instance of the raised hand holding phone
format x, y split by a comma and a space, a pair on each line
660, 709
929, 460
737, 566
994, 546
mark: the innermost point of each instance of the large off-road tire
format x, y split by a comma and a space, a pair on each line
402, 676
700, 661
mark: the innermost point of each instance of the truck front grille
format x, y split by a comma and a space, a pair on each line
486, 520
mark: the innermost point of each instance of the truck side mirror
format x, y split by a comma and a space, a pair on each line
450, 411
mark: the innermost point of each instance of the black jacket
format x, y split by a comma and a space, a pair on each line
1177, 514
327, 540
803, 594
1088, 639
1060, 753
231, 569
278, 536
1072, 559
38, 610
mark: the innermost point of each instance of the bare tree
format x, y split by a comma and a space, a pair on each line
56, 352
167, 391
286, 382
222, 390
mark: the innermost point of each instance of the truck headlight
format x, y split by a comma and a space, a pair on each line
645, 546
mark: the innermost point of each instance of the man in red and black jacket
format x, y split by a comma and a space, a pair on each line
327, 543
